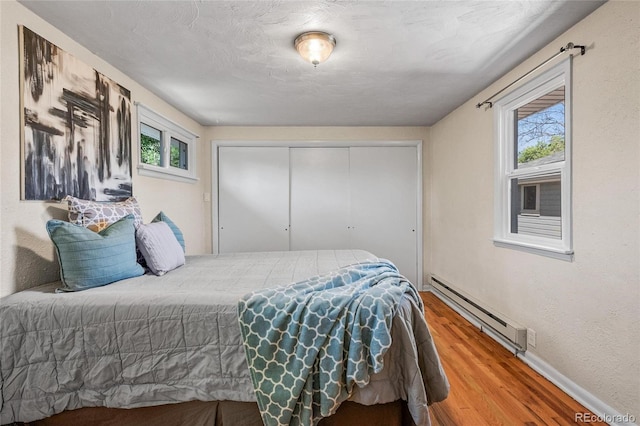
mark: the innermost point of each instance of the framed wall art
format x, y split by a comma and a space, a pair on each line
76, 126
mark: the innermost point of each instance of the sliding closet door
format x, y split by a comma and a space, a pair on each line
253, 185
384, 186
319, 198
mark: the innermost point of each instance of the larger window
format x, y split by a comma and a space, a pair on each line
166, 150
533, 165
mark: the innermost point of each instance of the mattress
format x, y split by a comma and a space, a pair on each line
156, 340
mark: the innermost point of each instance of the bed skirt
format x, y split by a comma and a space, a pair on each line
222, 413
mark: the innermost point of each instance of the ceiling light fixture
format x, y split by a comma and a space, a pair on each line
315, 46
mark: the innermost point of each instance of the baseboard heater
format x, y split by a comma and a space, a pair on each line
514, 333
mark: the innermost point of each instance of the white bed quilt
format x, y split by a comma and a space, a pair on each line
156, 340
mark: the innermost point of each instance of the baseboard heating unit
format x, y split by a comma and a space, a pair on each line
508, 329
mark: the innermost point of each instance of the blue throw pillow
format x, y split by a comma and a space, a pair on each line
161, 217
92, 259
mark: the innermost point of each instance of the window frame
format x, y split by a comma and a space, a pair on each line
506, 170
169, 130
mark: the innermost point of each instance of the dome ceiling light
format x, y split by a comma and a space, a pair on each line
315, 46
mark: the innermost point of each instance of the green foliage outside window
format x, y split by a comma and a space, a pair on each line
542, 149
150, 150
175, 156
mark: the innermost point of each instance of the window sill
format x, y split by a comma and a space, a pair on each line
560, 254
151, 171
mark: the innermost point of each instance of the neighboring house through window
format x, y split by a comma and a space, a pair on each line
533, 165
166, 150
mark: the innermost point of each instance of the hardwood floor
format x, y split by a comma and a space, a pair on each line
489, 385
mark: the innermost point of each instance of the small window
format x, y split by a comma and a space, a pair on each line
533, 173
150, 145
179, 154
166, 150
530, 199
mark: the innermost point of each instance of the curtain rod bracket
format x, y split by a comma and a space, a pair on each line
479, 104
569, 46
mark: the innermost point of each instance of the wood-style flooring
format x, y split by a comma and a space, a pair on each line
489, 385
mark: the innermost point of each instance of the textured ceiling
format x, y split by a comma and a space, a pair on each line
396, 63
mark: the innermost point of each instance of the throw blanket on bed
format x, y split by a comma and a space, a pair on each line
309, 343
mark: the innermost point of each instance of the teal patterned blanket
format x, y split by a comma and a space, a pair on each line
309, 343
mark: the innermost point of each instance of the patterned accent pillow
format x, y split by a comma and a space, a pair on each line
97, 215
92, 259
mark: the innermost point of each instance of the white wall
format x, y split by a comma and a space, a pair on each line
327, 133
26, 254
586, 313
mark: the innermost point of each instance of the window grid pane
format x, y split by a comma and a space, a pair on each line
544, 219
540, 130
150, 145
179, 154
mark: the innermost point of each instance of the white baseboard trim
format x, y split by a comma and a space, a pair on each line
602, 412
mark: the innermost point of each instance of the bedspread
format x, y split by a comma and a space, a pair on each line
158, 340
310, 343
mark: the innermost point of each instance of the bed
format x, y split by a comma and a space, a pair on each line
172, 346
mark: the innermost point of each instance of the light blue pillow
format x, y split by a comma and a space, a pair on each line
161, 217
90, 259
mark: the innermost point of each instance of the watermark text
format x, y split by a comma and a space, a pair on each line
603, 418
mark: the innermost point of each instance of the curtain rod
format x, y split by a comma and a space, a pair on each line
566, 48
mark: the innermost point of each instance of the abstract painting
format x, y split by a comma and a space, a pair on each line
76, 137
